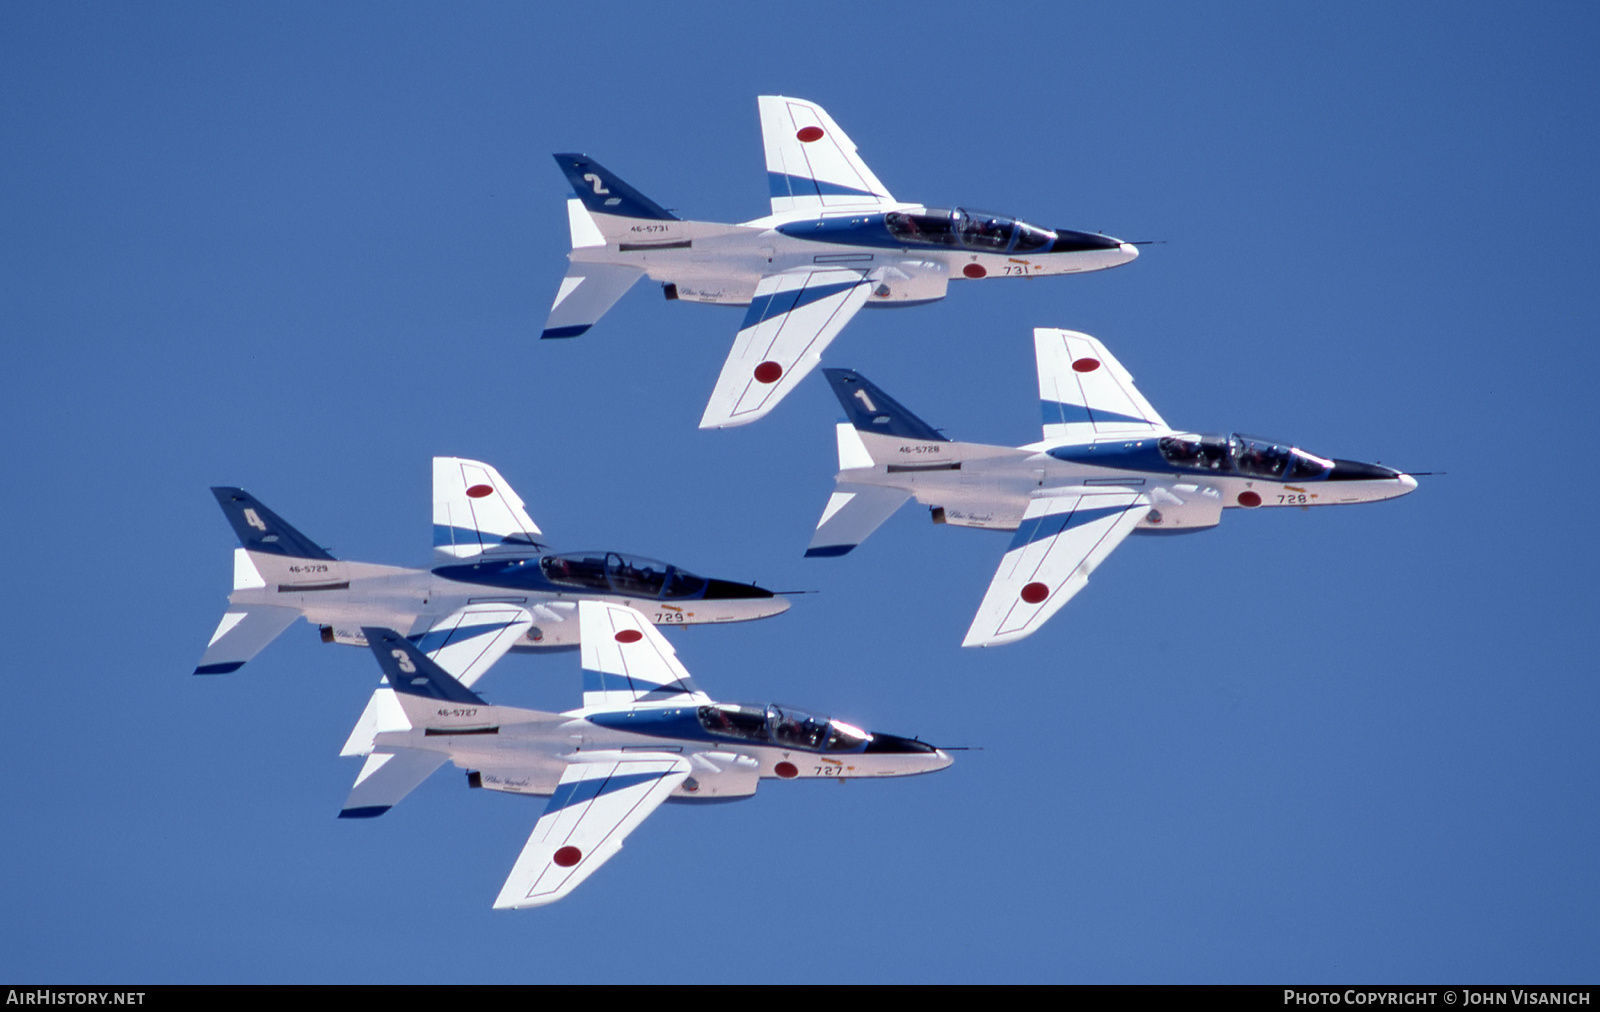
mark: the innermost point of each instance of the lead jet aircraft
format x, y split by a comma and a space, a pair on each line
1108, 466
494, 585
836, 241
645, 734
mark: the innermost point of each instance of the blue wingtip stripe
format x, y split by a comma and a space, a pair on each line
566, 331
827, 551
219, 669
366, 812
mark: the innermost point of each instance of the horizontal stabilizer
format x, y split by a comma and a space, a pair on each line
603, 192
241, 635
872, 410
386, 778
852, 513
595, 806
261, 530
588, 290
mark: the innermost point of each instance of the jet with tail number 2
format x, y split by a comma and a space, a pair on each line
1107, 467
494, 584
836, 241
645, 734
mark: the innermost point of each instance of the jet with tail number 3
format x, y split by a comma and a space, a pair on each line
1107, 467
645, 734
836, 241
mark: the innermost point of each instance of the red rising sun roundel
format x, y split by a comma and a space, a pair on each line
1249, 499
786, 770
974, 271
1033, 593
1086, 365
629, 636
809, 134
479, 491
768, 372
566, 857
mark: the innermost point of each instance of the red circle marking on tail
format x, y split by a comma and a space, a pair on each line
479, 491
629, 636
809, 134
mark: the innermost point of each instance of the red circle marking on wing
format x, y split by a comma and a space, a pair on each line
1086, 365
1033, 593
629, 636
768, 372
566, 857
479, 491
809, 134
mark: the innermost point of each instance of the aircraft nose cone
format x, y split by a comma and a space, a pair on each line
1407, 483
748, 600
1130, 251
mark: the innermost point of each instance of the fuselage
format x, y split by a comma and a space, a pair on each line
1190, 478
730, 747
341, 597
911, 251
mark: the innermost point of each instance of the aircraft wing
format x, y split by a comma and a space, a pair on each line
1085, 393
626, 660
1064, 535
597, 803
792, 318
811, 164
477, 514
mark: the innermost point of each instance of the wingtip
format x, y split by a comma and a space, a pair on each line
560, 332
366, 812
219, 669
828, 551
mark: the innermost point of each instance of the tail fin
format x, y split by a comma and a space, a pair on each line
268, 541
476, 513
261, 530
875, 413
852, 513
603, 192
811, 164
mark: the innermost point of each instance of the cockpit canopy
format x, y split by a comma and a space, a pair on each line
968, 229
1246, 455
781, 725
620, 574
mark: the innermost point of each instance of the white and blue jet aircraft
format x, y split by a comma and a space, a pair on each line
836, 241
494, 585
645, 734
1108, 466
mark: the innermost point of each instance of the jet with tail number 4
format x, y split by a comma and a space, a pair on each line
644, 734
1108, 466
836, 241
494, 584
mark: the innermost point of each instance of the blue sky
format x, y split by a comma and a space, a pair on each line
303, 248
